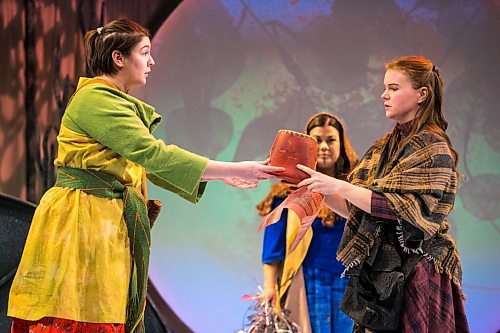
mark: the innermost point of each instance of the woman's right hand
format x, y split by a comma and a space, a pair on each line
270, 271
268, 295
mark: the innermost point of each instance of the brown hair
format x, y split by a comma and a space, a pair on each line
120, 35
346, 162
423, 73
347, 158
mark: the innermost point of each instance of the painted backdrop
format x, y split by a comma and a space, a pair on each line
229, 74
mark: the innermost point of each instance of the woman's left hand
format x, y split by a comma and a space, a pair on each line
240, 183
319, 182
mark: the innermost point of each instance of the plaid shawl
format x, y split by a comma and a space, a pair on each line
420, 183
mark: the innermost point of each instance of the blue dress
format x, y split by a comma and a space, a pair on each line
321, 270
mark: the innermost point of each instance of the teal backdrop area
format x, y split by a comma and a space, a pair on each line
229, 74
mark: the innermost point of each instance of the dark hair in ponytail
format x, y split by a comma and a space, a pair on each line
120, 35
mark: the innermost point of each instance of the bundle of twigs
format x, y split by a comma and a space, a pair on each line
265, 319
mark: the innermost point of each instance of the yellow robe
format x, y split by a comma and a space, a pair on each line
76, 261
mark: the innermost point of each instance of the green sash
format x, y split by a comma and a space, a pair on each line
136, 217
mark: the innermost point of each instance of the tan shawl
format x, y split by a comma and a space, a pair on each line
420, 184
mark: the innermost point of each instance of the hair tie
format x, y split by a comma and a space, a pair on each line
99, 30
435, 69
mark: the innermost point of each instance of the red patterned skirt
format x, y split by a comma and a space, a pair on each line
432, 302
59, 325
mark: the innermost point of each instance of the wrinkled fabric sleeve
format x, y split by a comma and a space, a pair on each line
380, 207
194, 196
115, 124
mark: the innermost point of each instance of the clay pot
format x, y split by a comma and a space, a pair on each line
291, 148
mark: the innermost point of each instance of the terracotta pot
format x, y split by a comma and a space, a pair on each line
291, 148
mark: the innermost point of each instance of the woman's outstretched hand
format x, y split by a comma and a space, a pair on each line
319, 182
242, 175
255, 171
240, 183
337, 191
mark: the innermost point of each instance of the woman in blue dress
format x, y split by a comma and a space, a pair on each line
307, 281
